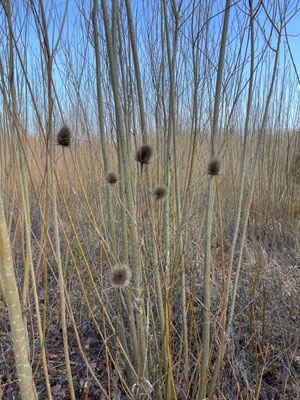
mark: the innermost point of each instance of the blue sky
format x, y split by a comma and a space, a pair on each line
293, 30
74, 38
139, 7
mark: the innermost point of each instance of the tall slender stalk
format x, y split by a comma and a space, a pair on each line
49, 55
252, 179
240, 199
137, 71
111, 227
29, 267
209, 208
167, 179
18, 329
139, 347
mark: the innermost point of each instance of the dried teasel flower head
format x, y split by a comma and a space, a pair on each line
160, 192
144, 154
111, 177
214, 167
120, 275
64, 137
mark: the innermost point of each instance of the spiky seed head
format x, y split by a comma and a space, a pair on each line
120, 275
160, 192
111, 178
214, 167
64, 137
144, 154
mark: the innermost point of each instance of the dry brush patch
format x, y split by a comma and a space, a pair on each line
267, 292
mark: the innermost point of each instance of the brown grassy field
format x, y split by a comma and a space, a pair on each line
263, 351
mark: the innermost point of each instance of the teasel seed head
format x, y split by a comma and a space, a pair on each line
111, 177
160, 192
214, 167
64, 137
120, 275
144, 154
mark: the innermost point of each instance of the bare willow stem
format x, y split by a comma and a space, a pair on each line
111, 227
239, 207
252, 180
140, 347
209, 207
17, 327
49, 54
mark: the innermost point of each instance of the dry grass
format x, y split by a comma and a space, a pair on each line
262, 360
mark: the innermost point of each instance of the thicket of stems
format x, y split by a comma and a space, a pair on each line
192, 81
